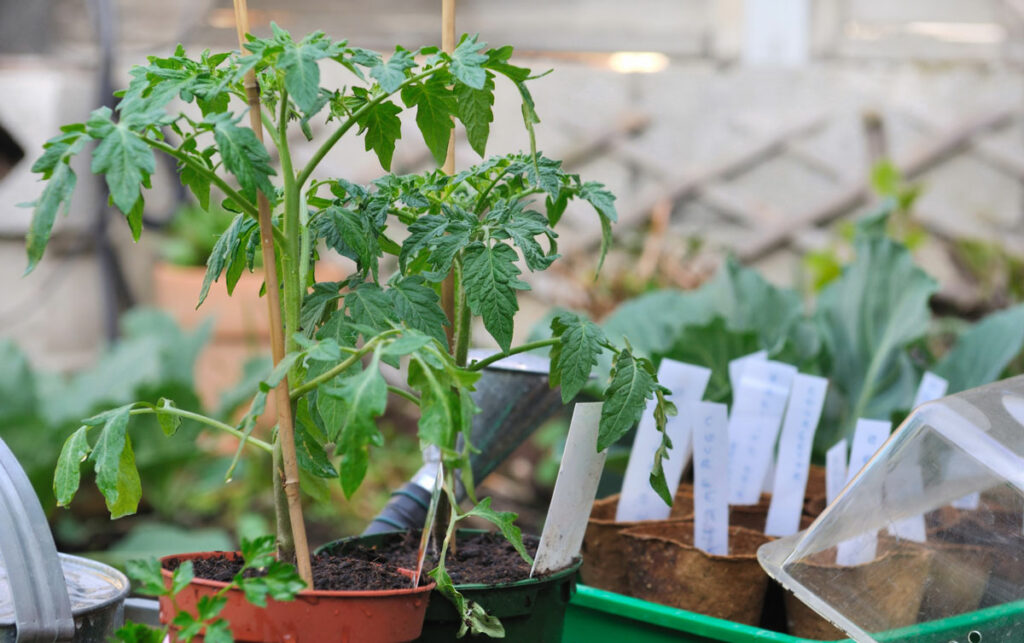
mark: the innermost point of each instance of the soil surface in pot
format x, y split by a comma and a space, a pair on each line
330, 572
485, 558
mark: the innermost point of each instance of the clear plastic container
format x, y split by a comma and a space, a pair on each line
932, 527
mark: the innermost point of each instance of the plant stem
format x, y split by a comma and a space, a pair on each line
487, 361
210, 422
342, 366
462, 317
401, 392
356, 115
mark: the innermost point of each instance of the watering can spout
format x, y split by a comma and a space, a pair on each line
514, 397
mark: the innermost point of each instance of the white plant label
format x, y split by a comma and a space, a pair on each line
803, 412
835, 470
905, 482
868, 437
575, 489
932, 387
738, 365
757, 410
638, 500
710, 478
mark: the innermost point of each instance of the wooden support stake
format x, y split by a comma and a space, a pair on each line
448, 285
285, 427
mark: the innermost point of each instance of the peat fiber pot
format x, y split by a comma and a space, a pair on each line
379, 616
531, 610
665, 567
891, 587
604, 557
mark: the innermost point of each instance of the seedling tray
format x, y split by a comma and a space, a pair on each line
597, 615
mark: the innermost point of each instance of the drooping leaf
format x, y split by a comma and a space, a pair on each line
68, 474
365, 398
106, 453
662, 410
505, 521
169, 422
243, 155
575, 355
982, 352
632, 384
383, 128
474, 110
129, 486
122, 157
228, 253
491, 279
435, 104
56, 196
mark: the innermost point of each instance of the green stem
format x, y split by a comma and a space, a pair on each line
202, 419
462, 317
487, 361
401, 392
483, 195
352, 120
342, 366
291, 258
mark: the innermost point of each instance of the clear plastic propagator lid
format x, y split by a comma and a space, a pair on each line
926, 543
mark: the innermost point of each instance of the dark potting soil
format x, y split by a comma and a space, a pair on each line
485, 558
330, 572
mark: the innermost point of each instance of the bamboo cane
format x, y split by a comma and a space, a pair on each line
285, 427
448, 285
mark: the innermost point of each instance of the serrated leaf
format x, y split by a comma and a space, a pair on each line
319, 304
218, 632
56, 197
491, 280
301, 75
311, 455
467, 62
523, 227
632, 384
505, 521
439, 407
365, 398
383, 128
258, 552
368, 305
391, 74
181, 577
575, 355
662, 409
147, 576
417, 305
197, 182
244, 156
67, 476
122, 157
228, 253
169, 422
474, 110
435, 104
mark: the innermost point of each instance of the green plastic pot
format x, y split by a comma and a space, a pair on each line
531, 610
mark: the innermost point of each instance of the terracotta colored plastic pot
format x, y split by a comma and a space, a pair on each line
604, 556
381, 616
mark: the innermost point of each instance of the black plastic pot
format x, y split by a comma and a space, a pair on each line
531, 610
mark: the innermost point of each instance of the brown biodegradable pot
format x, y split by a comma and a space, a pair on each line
666, 568
604, 558
381, 616
887, 591
814, 496
751, 517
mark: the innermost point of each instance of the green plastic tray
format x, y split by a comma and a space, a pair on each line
597, 615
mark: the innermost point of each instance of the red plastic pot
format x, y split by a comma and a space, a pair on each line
379, 616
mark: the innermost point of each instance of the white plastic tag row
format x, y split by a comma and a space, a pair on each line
802, 415
638, 500
758, 405
710, 478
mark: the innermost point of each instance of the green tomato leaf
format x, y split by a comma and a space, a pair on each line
505, 521
243, 155
474, 110
391, 74
106, 455
67, 477
365, 397
128, 485
311, 454
467, 62
662, 410
633, 383
122, 157
417, 305
435, 104
368, 305
575, 355
228, 253
383, 128
301, 75
56, 197
169, 422
491, 279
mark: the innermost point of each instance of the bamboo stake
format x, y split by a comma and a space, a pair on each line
285, 427
448, 285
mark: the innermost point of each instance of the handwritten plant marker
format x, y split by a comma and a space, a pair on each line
835, 470
638, 500
710, 478
868, 437
932, 387
575, 490
754, 425
802, 415
738, 365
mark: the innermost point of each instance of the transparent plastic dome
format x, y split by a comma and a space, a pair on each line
926, 543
